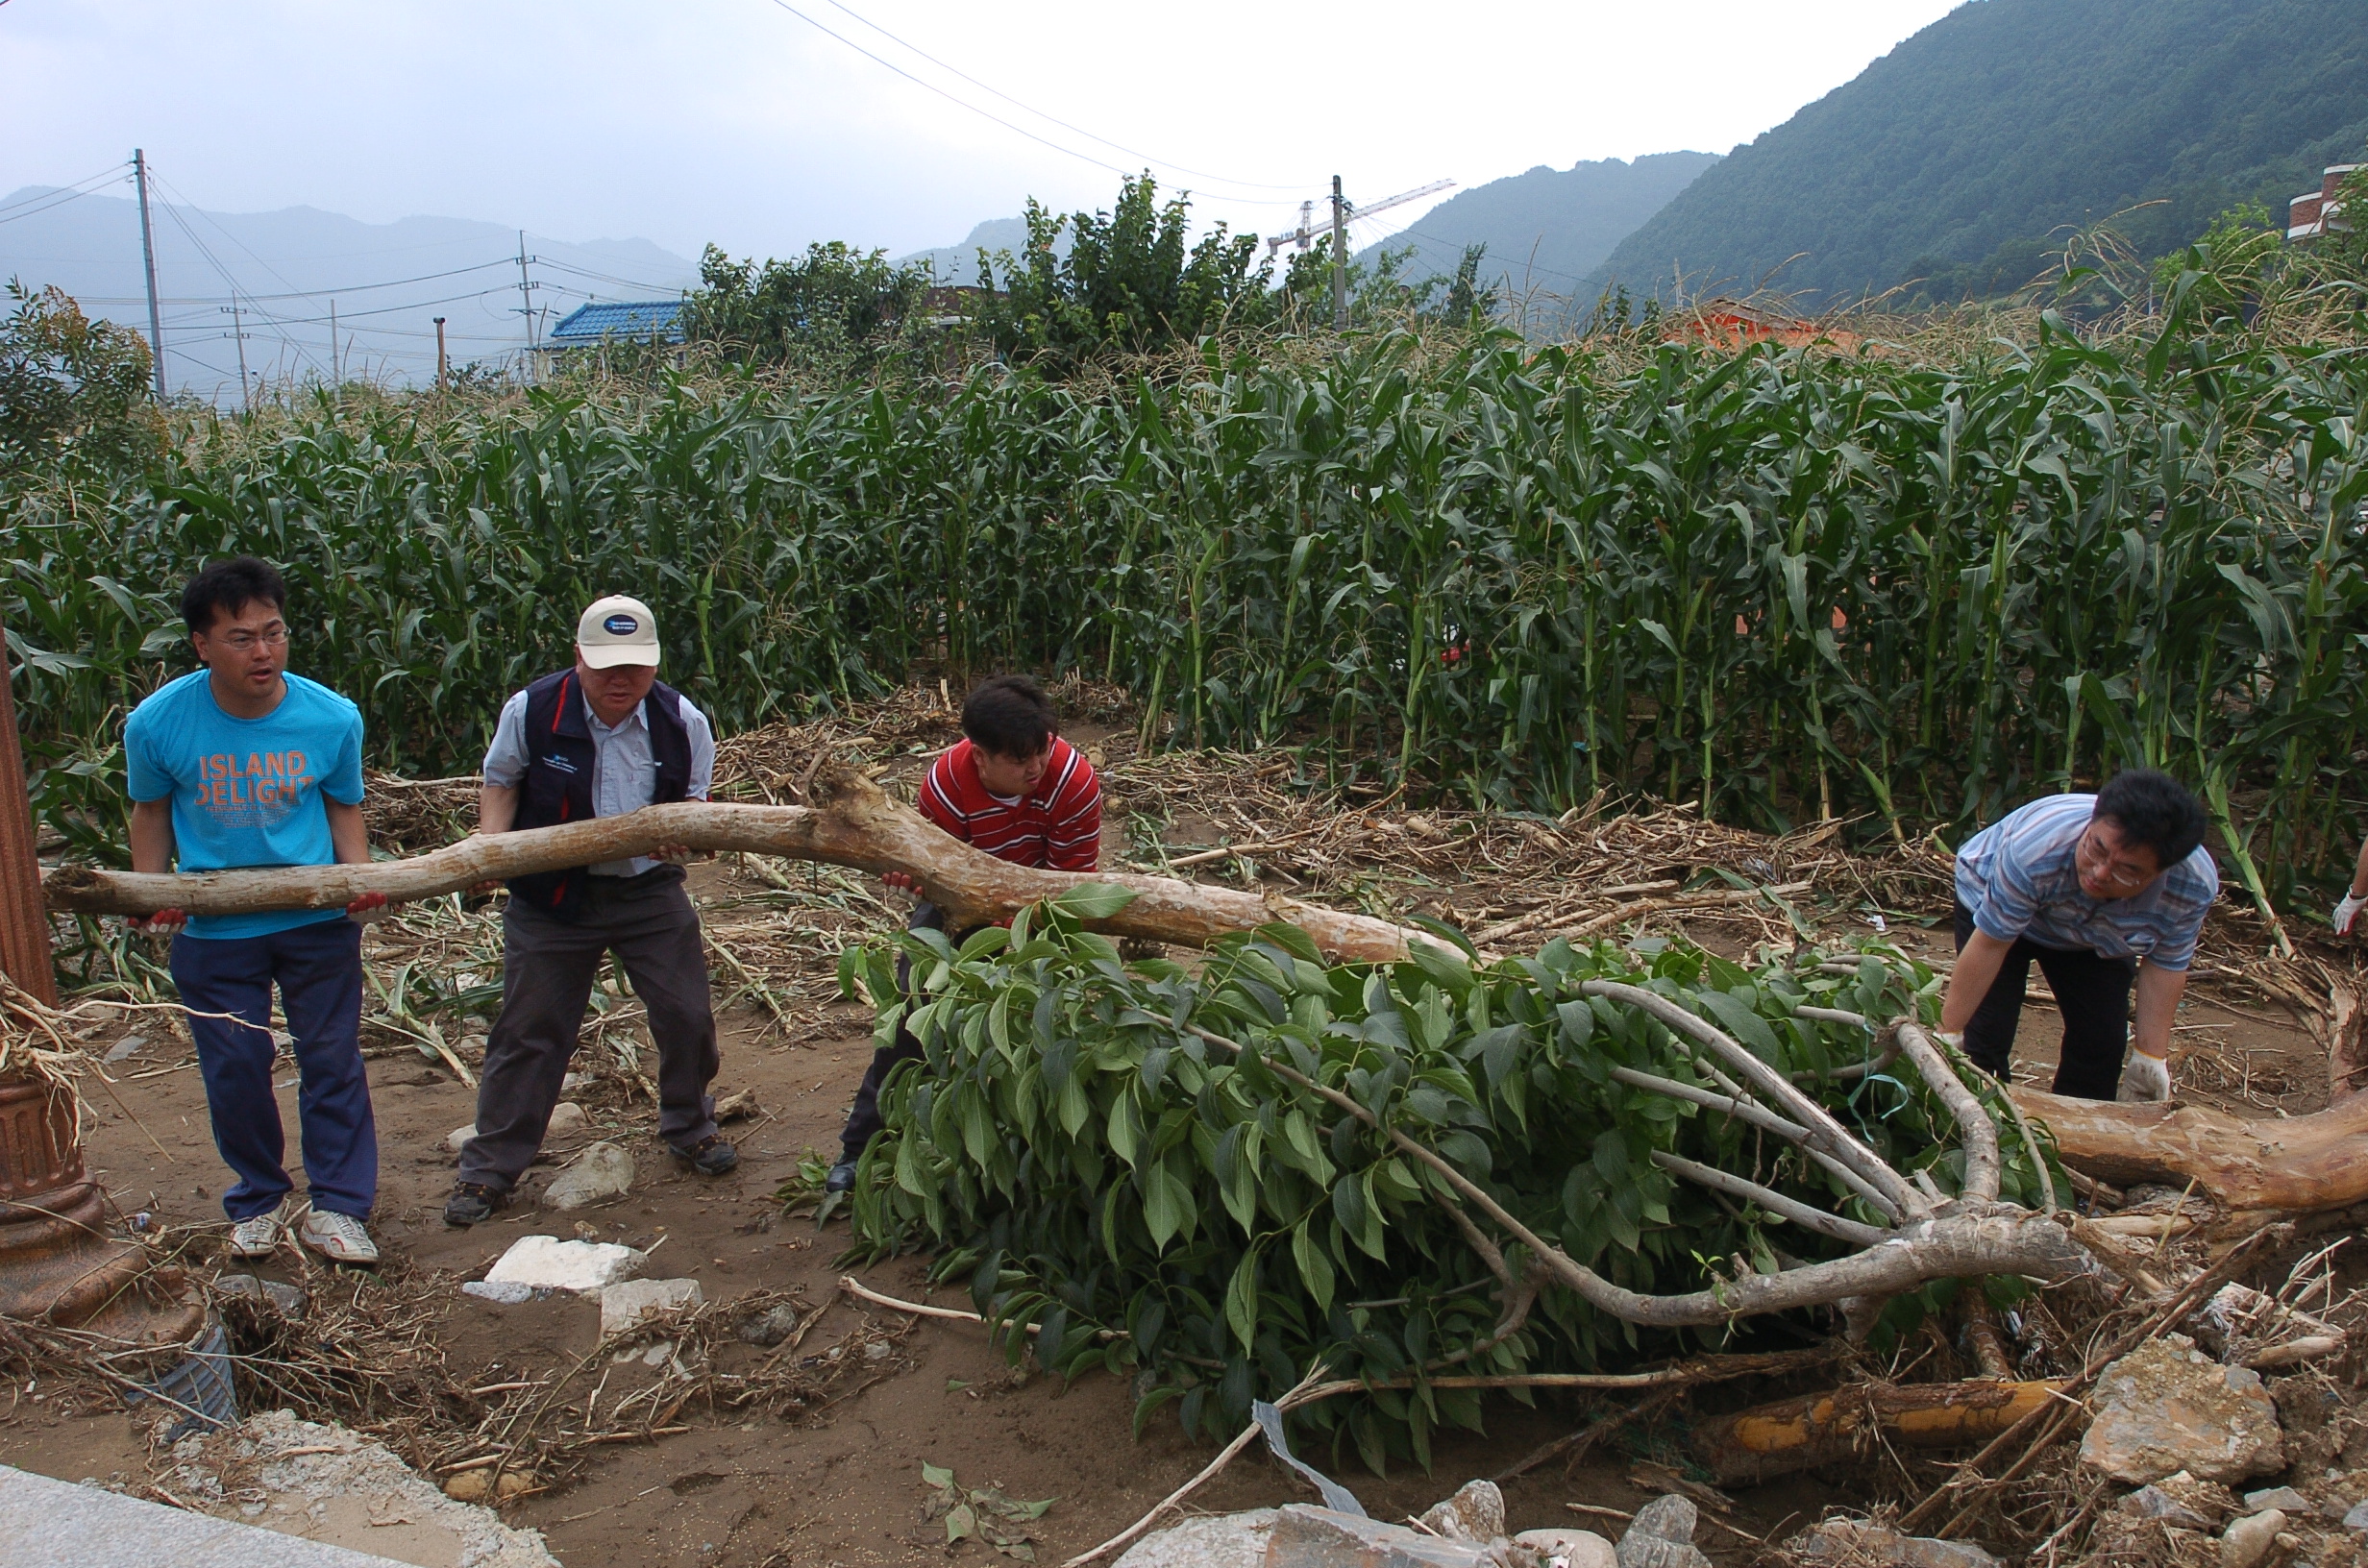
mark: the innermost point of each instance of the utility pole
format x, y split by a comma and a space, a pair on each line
439, 354
1339, 259
526, 302
148, 255
337, 373
238, 330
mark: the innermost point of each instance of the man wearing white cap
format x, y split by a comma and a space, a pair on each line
599, 739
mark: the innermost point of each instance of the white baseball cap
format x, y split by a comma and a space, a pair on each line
617, 630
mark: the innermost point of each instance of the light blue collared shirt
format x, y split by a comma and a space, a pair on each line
624, 770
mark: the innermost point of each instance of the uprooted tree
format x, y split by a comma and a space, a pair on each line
1344, 1140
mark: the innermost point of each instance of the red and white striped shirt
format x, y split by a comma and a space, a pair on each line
1056, 827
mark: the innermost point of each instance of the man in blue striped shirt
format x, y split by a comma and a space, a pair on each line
2099, 889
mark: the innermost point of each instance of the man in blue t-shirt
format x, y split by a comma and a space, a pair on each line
244, 765
2100, 891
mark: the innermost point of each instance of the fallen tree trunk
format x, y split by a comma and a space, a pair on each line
2302, 1165
851, 823
1769, 1440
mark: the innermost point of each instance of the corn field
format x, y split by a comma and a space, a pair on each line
1786, 584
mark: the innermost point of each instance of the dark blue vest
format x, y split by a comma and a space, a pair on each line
557, 787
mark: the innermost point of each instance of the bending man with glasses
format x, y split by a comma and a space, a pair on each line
2099, 889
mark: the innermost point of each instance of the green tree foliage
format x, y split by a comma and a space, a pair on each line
1971, 142
1130, 282
1088, 1160
833, 305
69, 384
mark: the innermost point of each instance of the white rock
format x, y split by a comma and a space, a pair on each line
628, 1301
1477, 1513
1569, 1548
2248, 1540
506, 1293
460, 1136
545, 1262
1223, 1540
1662, 1535
601, 1172
2357, 1518
566, 1117
128, 1046
2166, 1407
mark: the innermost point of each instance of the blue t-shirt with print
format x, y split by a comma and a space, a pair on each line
247, 792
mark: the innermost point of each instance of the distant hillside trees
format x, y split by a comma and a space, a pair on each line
1952, 163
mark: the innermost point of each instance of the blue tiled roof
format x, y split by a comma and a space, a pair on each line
636, 319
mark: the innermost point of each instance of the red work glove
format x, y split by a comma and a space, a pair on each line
164, 922
368, 907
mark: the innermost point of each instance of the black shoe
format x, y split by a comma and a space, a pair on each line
842, 1177
471, 1203
710, 1155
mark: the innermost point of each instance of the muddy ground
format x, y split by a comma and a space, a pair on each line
839, 1481
844, 1486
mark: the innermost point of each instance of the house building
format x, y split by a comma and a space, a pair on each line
1724, 323
2314, 212
594, 325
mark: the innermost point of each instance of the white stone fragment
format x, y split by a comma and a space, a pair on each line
627, 1303
545, 1262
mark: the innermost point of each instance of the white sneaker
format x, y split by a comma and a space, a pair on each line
341, 1239
260, 1235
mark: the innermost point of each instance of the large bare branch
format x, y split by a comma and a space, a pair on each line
851, 823
2302, 1165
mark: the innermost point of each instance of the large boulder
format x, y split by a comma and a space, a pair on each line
2166, 1407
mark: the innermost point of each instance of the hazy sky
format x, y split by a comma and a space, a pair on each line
738, 122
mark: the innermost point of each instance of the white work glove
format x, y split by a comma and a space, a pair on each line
2348, 911
2146, 1080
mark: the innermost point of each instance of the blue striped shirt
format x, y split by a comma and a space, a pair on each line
2017, 877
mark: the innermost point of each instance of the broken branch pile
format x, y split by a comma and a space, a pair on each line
1427, 1175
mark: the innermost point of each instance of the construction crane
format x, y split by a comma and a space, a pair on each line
1304, 236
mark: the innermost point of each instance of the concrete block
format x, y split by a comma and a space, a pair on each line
49, 1523
545, 1262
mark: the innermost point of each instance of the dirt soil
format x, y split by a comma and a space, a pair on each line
841, 1482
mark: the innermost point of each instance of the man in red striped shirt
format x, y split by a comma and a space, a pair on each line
1011, 786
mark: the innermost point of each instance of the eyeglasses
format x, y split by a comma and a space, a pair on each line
2113, 874
246, 642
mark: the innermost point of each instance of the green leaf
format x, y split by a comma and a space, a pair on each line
1125, 1128
1094, 900
1442, 966
1315, 1267
1242, 1301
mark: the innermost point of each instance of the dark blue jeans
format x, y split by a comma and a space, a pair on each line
318, 971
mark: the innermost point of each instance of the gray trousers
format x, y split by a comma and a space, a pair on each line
548, 967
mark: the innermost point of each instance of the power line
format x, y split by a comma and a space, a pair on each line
1199, 174
984, 114
49, 201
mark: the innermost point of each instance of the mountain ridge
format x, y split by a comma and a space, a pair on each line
1955, 155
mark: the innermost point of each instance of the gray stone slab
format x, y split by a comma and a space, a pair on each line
52, 1523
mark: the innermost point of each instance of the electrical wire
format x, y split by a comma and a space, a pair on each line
49, 201
988, 114
1198, 174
